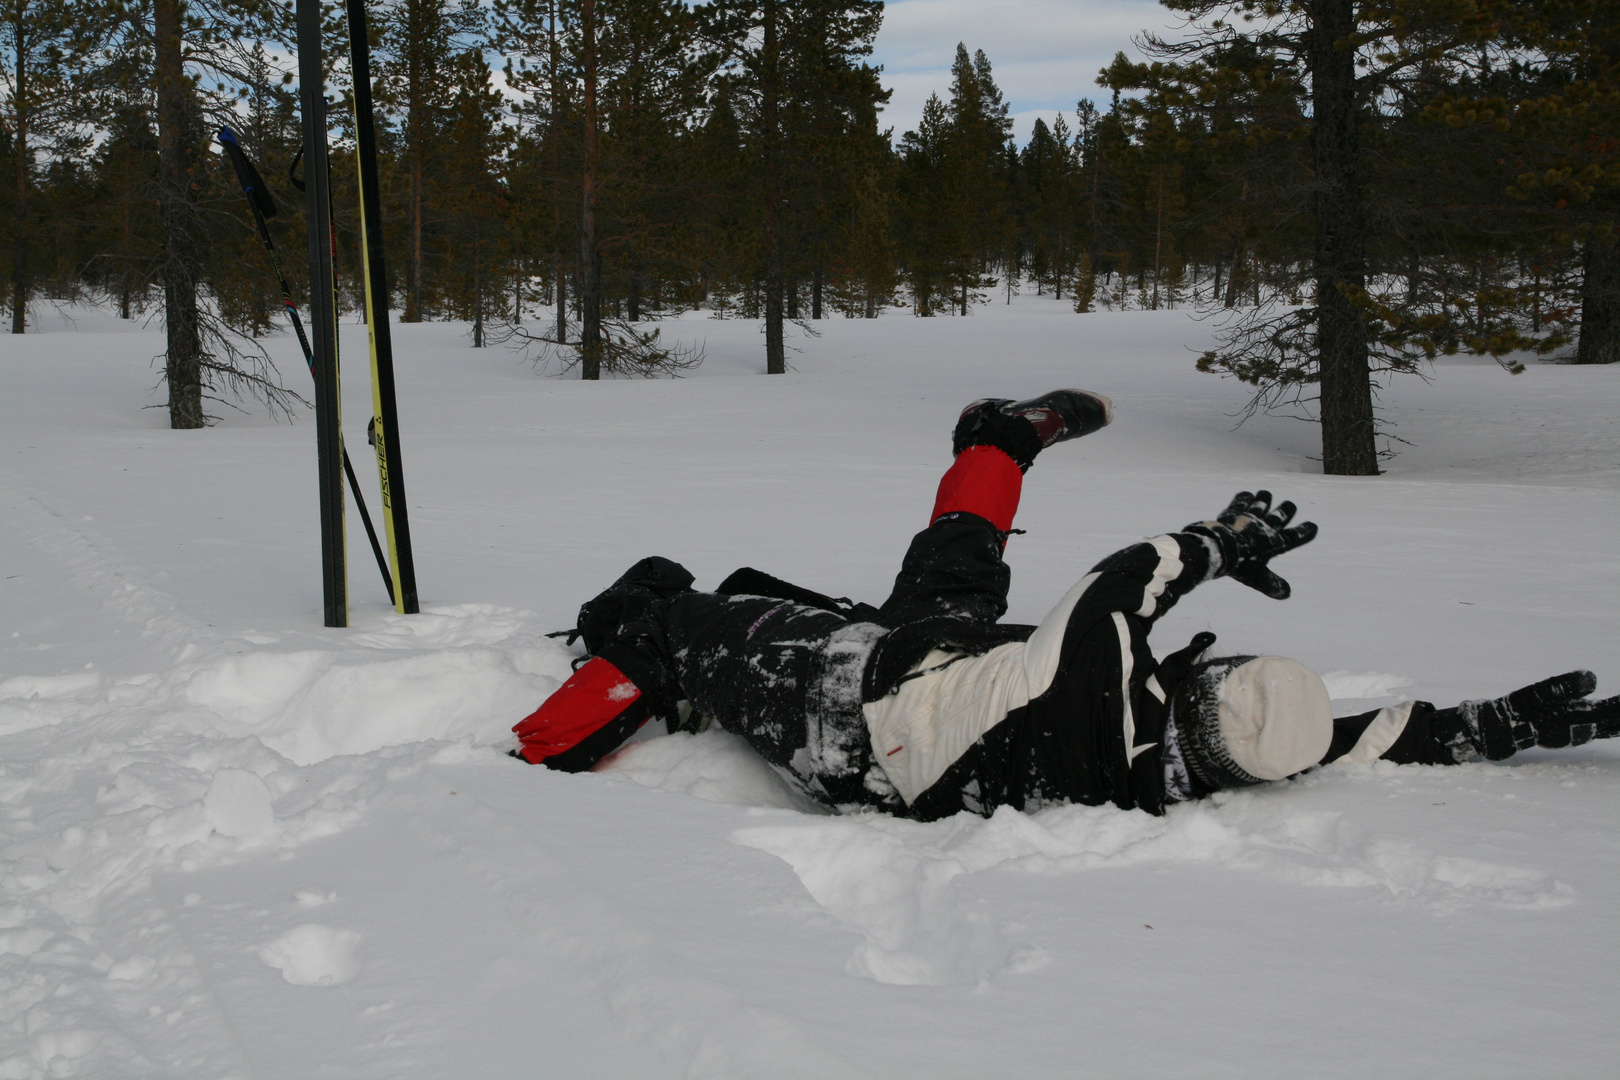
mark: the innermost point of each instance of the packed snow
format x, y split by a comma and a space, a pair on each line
238, 844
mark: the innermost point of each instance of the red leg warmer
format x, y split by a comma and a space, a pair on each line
982, 481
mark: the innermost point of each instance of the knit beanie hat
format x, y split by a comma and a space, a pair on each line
1247, 719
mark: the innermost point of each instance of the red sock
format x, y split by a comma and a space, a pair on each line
983, 481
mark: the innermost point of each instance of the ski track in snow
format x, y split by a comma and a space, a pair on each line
131, 784
223, 835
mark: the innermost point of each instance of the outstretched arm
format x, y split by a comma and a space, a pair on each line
1148, 578
1553, 713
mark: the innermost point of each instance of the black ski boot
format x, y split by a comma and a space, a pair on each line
1024, 428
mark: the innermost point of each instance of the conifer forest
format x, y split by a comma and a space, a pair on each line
1354, 186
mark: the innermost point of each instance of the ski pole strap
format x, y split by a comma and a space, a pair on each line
252, 183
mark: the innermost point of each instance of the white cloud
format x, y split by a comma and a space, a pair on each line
1045, 53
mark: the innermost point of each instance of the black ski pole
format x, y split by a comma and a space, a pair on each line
264, 206
323, 329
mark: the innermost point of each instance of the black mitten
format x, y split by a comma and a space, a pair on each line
1247, 535
1552, 713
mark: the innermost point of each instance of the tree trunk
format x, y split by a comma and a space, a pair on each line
123, 275
478, 295
1348, 445
775, 276
562, 301
183, 369
815, 294
19, 253
25, 161
1158, 241
1600, 304
1230, 297
413, 288
553, 139
1234, 276
590, 259
632, 301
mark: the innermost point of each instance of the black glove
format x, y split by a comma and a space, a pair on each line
1552, 713
1247, 535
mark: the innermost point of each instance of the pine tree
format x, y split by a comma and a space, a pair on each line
473, 147
616, 86
725, 225
544, 173
155, 57
868, 277
977, 156
45, 44
653, 79
122, 244
1540, 131
1342, 59
805, 100
935, 240
1085, 285
420, 44
831, 138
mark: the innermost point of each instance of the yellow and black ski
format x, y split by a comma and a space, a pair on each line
385, 416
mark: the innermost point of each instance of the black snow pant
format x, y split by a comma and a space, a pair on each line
789, 675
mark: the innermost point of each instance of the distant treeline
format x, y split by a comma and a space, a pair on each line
1366, 184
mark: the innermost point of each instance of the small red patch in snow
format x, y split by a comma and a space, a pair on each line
895, 751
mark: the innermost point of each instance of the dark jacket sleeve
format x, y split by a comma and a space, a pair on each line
1147, 579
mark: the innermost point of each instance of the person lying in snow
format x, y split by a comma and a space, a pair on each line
927, 705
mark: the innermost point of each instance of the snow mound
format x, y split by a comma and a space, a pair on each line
33, 701
716, 766
314, 955
455, 672
238, 804
308, 706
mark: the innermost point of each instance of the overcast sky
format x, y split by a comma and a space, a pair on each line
1045, 53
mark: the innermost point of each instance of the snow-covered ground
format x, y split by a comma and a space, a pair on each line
236, 843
